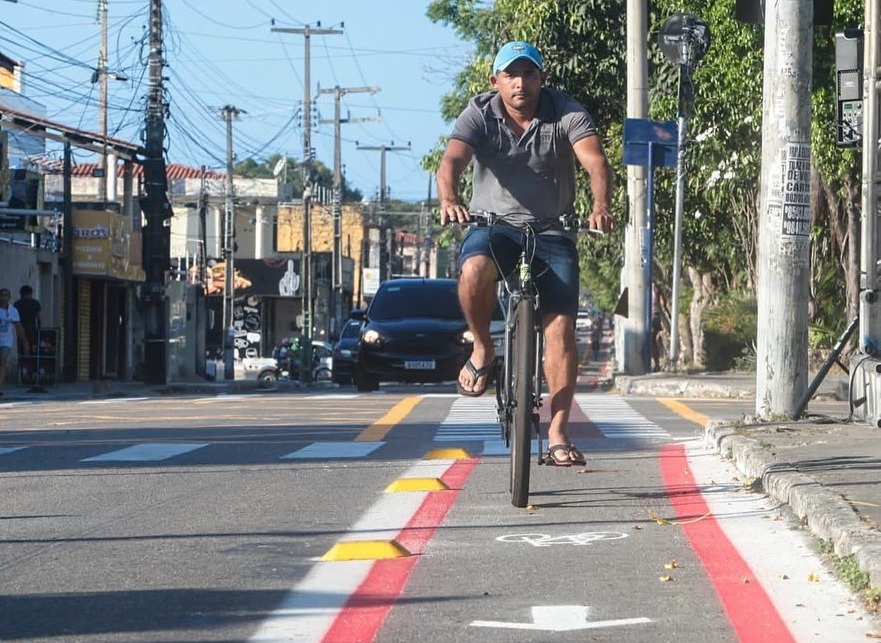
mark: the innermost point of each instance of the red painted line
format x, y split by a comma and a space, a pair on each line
367, 609
750, 610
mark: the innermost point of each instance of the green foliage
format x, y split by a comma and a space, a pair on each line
730, 332
293, 172
584, 45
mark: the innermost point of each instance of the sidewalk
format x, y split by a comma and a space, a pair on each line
825, 468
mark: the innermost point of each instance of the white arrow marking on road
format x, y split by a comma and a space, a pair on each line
562, 618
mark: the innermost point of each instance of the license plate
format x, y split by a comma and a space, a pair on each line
419, 364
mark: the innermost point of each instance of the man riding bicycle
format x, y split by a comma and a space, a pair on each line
524, 140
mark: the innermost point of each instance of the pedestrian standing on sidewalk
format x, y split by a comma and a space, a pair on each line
29, 310
596, 335
10, 331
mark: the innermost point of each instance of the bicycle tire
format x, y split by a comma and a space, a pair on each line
523, 373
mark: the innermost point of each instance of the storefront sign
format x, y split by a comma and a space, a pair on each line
102, 243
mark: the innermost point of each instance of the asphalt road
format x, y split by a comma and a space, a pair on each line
207, 518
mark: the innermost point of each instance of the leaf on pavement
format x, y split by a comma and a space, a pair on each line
665, 579
813, 578
671, 565
664, 521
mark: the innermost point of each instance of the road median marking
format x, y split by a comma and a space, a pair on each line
447, 454
366, 550
417, 484
685, 411
379, 429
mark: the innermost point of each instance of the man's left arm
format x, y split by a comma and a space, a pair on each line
23, 344
590, 154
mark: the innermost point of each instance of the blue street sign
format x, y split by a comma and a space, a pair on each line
650, 143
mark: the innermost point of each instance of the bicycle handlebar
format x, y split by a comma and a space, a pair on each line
569, 222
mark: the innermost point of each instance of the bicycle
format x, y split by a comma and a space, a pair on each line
518, 385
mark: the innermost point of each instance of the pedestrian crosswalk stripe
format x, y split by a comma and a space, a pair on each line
147, 452
471, 419
115, 400
334, 450
498, 447
617, 420
5, 450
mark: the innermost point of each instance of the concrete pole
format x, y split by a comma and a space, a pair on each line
631, 344
386, 235
870, 284
306, 269
260, 225
229, 239
866, 362
102, 109
337, 280
784, 224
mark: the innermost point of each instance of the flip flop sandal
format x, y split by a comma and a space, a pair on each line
476, 373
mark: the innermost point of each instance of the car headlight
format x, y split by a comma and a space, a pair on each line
345, 352
467, 337
371, 337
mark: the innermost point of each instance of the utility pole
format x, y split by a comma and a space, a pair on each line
157, 209
386, 248
306, 350
633, 341
102, 110
426, 243
866, 362
784, 224
100, 76
229, 113
338, 92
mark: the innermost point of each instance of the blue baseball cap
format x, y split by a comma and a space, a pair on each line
516, 50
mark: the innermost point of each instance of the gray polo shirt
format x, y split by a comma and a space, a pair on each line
533, 175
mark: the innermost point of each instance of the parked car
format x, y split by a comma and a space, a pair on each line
345, 352
262, 369
413, 331
267, 369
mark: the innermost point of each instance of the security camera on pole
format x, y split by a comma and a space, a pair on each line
684, 40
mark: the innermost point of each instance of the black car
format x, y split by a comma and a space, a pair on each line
414, 331
345, 352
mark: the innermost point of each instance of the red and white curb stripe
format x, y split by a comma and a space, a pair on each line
327, 605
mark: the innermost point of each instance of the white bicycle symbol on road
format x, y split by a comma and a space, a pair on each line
545, 540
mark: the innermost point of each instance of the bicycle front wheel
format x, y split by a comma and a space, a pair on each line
522, 373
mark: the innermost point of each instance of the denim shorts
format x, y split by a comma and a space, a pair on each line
555, 266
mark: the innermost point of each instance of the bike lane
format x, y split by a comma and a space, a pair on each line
627, 548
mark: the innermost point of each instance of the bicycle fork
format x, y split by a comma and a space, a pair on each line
537, 379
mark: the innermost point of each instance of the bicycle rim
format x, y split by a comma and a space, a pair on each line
523, 372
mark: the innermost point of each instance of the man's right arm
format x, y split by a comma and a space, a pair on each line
455, 160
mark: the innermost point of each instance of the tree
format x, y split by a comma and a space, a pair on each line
292, 172
582, 45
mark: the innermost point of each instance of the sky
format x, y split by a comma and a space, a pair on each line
224, 52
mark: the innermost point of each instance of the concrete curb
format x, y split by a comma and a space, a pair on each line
679, 387
826, 514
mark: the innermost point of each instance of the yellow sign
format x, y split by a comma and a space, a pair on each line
102, 245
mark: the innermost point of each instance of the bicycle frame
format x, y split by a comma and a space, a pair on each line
518, 390
520, 287
519, 384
